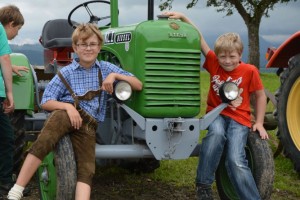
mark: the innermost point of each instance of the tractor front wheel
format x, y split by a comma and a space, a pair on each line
57, 175
260, 161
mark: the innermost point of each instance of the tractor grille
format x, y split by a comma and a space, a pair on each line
172, 78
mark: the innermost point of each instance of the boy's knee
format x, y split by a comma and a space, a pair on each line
42, 146
85, 172
217, 136
87, 178
235, 163
217, 130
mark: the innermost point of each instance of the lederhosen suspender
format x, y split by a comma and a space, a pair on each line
87, 96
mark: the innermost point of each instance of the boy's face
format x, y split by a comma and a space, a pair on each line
87, 51
229, 60
12, 31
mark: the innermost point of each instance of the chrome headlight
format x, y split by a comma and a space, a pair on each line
123, 90
229, 91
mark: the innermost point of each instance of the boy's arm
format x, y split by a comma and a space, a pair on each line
17, 69
107, 84
7, 77
177, 15
260, 108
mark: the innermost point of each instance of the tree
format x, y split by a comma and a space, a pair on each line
251, 11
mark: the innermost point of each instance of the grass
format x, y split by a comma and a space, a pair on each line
183, 172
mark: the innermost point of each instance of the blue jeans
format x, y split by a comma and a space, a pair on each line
225, 130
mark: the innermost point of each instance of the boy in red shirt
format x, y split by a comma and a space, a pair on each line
232, 126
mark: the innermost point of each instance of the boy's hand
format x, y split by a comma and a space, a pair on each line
75, 118
107, 84
16, 69
262, 131
173, 15
8, 104
237, 102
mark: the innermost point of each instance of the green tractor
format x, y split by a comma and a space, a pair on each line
158, 123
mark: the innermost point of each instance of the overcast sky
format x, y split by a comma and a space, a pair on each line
283, 20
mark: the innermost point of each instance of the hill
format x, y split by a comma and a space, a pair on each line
34, 52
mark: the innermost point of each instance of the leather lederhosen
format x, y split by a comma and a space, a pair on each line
83, 140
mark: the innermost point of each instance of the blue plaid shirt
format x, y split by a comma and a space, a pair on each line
82, 80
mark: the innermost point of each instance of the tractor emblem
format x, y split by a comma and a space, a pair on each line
174, 26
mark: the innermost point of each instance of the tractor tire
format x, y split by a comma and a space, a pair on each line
261, 163
66, 170
18, 121
288, 111
60, 171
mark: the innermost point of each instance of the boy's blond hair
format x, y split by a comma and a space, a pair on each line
229, 42
10, 14
85, 31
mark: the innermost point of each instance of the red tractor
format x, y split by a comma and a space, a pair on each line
287, 59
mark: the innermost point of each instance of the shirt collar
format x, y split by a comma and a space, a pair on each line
75, 64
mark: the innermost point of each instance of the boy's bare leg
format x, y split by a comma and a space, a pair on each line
83, 191
28, 169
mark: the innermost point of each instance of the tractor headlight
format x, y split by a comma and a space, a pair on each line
123, 90
229, 91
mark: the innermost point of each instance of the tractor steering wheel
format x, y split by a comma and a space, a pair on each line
93, 18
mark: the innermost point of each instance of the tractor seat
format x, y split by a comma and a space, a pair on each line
56, 33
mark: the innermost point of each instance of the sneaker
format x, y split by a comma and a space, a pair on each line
4, 189
204, 192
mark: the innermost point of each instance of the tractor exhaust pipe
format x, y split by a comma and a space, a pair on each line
150, 9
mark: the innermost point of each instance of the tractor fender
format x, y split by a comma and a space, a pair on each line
23, 89
289, 48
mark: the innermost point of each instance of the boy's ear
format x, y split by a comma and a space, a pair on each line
11, 24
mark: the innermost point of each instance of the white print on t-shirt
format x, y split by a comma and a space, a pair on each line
216, 82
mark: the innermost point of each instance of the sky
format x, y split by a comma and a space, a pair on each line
283, 20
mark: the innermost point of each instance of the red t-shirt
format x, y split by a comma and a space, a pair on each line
246, 76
